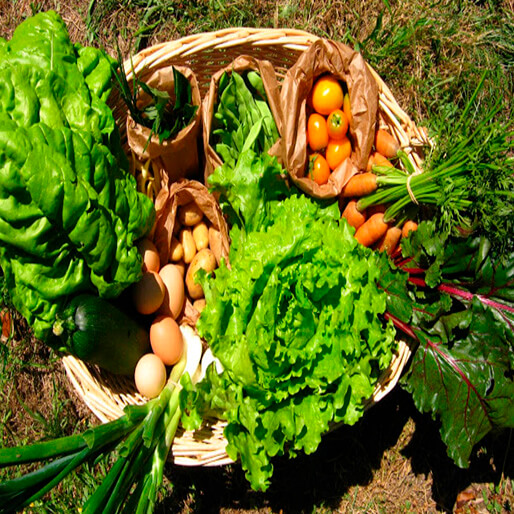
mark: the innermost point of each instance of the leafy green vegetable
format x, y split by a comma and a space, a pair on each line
248, 198
462, 315
163, 116
69, 210
242, 106
462, 373
295, 321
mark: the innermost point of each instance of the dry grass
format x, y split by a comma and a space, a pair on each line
12, 12
35, 392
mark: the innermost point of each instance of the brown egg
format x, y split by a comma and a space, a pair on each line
166, 340
151, 260
148, 294
174, 294
150, 375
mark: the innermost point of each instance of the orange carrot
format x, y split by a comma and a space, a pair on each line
386, 144
371, 230
380, 160
360, 185
352, 215
409, 226
390, 240
377, 159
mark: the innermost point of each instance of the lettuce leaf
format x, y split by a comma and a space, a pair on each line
247, 198
69, 210
295, 321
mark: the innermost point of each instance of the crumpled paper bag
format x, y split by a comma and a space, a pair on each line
334, 58
167, 203
272, 88
177, 157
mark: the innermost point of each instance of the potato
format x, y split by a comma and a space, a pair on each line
188, 244
199, 304
201, 236
205, 260
176, 250
189, 214
215, 240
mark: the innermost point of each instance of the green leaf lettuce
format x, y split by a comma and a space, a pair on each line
295, 321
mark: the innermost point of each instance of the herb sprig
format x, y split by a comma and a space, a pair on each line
163, 116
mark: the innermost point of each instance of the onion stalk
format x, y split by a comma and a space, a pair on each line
141, 438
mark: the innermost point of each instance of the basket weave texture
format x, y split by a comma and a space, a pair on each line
105, 394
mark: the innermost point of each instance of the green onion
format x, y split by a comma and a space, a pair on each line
142, 439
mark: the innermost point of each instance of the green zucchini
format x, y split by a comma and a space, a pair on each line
98, 332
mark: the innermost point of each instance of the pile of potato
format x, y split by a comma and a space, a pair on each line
164, 288
191, 248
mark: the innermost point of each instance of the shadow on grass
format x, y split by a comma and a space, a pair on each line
492, 460
347, 457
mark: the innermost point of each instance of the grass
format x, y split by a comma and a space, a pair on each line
430, 54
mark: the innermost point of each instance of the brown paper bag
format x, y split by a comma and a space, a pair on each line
178, 157
167, 203
327, 57
272, 88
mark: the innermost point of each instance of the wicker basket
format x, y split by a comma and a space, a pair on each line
106, 395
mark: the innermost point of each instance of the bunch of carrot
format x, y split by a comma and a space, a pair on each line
371, 227
466, 186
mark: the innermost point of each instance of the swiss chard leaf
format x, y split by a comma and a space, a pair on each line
463, 369
410, 306
465, 269
463, 374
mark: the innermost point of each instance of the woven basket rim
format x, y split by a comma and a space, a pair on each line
209, 448
410, 136
224, 37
